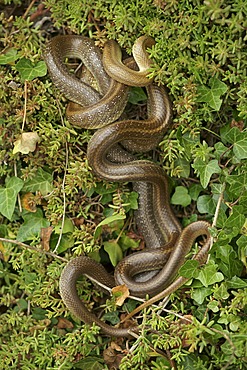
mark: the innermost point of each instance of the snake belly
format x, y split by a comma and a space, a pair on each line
99, 108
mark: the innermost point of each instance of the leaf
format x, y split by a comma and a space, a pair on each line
32, 225
211, 95
137, 95
206, 204
120, 292
206, 170
184, 167
41, 182
107, 221
240, 148
29, 70
209, 275
89, 363
67, 241
189, 269
236, 283
8, 196
200, 294
112, 317
28, 202
9, 56
114, 251
126, 242
45, 235
68, 226
194, 191
238, 183
181, 196
26, 143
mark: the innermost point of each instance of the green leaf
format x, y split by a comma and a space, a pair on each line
68, 226
184, 166
206, 204
41, 182
211, 95
9, 56
189, 269
112, 317
126, 242
209, 275
213, 306
221, 292
67, 241
181, 196
8, 196
236, 283
206, 170
238, 183
240, 148
114, 251
200, 294
107, 221
32, 225
194, 191
89, 363
136, 95
29, 70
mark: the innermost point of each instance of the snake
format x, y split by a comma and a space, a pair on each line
111, 156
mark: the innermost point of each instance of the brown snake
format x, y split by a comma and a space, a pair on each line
100, 107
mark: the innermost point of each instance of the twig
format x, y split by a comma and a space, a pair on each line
63, 184
28, 8
20, 244
25, 107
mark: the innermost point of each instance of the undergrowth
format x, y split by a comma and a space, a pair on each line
52, 208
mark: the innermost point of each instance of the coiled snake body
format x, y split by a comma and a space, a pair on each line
100, 107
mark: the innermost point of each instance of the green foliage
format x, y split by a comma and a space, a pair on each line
200, 55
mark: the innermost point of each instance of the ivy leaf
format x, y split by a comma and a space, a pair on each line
89, 363
200, 294
211, 95
106, 221
209, 275
32, 225
112, 317
238, 183
189, 269
126, 242
9, 56
181, 196
205, 171
8, 196
26, 143
240, 148
236, 283
206, 204
184, 167
114, 251
136, 95
29, 70
42, 182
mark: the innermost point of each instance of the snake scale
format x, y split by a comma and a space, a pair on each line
96, 102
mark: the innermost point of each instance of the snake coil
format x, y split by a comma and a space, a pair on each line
110, 156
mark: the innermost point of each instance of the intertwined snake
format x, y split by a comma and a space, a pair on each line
98, 102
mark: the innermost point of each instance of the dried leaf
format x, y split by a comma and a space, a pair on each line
121, 292
28, 202
45, 235
64, 323
26, 143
